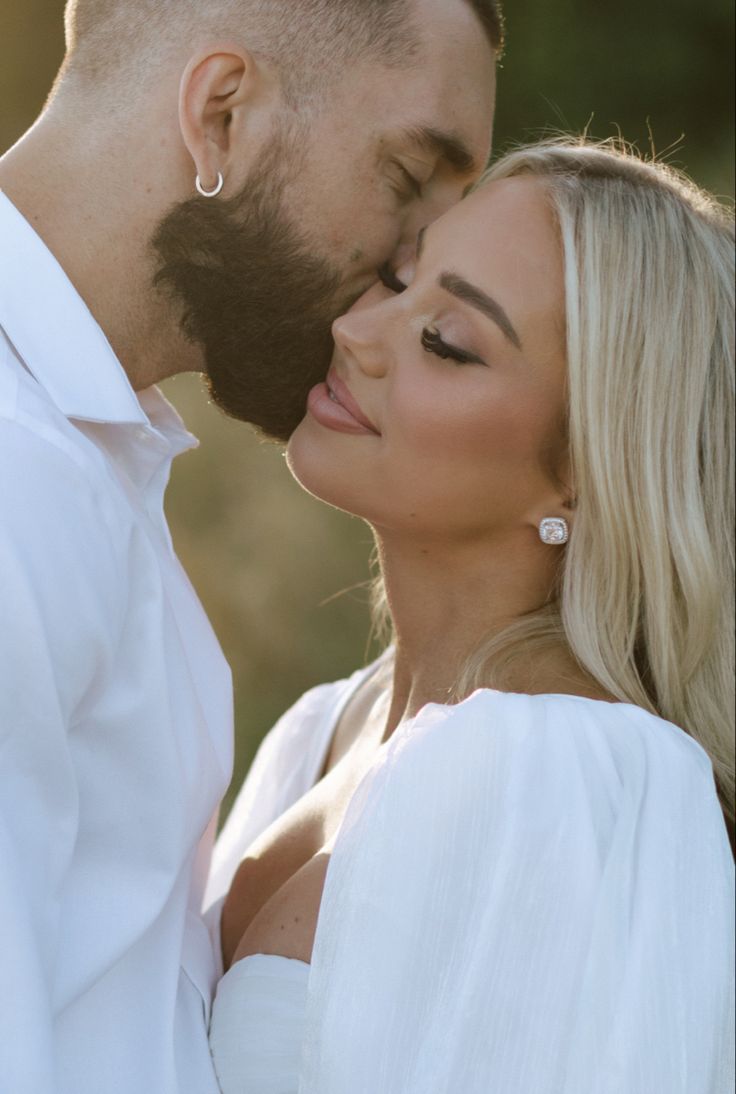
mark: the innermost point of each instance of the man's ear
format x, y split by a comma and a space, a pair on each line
218, 91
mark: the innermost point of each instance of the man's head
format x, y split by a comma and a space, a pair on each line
340, 128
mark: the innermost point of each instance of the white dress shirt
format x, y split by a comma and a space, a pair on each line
115, 715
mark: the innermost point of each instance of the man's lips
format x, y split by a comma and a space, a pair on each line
335, 408
341, 394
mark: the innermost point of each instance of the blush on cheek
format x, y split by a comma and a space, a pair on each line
478, 430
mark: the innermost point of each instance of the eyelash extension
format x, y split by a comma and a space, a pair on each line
388, 278
432, 342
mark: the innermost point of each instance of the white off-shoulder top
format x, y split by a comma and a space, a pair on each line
257, 1025
527, 893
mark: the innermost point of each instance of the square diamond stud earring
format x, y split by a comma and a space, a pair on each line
554, 531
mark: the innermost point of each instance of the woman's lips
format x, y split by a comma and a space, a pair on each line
334, 407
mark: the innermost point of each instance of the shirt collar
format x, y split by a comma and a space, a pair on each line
54, 332
165, 421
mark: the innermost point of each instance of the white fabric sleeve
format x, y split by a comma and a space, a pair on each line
55, 602
527, 894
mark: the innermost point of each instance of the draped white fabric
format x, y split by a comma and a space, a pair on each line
528, 894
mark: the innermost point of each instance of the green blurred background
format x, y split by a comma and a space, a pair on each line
267, 560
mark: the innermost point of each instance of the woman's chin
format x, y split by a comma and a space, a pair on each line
318, 471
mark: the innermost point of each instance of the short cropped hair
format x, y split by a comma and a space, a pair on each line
490, 14
307, 40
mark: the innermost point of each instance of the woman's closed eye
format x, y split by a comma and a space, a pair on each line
433, 342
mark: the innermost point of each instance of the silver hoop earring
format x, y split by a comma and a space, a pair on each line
210, 193
554, 531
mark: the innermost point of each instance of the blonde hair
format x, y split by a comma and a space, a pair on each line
646, 588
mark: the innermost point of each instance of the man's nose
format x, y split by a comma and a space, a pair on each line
424, 213
404, 253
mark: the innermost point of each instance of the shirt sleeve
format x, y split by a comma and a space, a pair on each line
528, 894
57, 622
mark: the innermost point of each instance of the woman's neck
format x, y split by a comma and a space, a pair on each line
446, 601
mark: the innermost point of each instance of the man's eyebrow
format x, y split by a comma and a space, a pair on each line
474, 296
449, 146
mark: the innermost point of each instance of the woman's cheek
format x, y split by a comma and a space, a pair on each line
445, 422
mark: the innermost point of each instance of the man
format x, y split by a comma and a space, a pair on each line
207, 187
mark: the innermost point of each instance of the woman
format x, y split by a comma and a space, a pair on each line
530, 883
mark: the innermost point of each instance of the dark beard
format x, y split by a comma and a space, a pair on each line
255, 298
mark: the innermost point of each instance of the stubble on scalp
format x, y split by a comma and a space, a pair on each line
116, 43
118, 49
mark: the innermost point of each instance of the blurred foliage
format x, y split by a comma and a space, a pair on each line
266, 559
659, 71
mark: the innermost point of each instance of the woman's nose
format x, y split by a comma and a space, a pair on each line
357, 335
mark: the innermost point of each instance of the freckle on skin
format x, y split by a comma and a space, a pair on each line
357, 255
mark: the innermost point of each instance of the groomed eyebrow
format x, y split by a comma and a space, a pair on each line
474, 296
448, 146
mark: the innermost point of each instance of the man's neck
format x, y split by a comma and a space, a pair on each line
96, 215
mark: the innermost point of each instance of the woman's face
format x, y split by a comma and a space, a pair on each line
443, 412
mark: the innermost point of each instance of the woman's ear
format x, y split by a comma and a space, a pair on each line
217, 90
568, 499
559, 504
